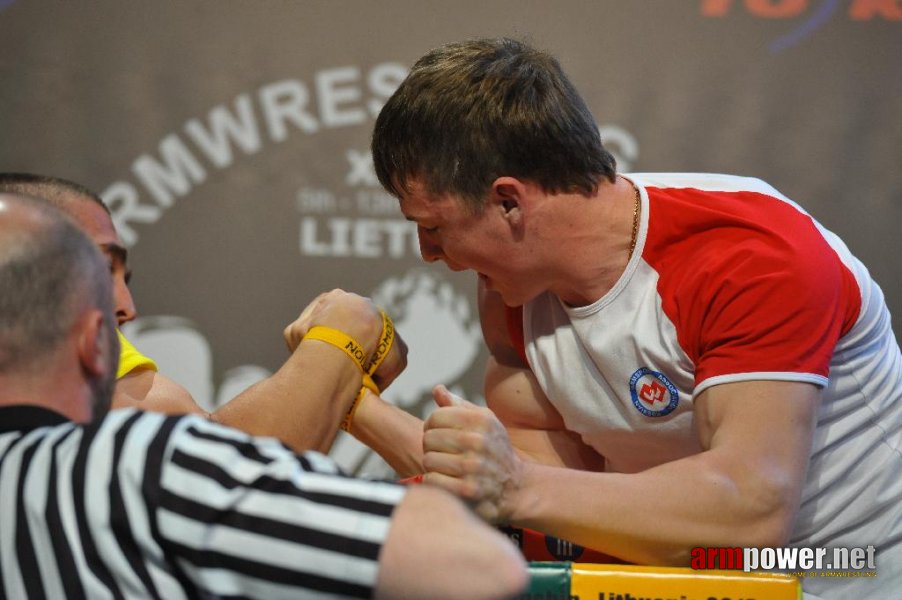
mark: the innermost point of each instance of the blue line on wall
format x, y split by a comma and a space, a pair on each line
820, 16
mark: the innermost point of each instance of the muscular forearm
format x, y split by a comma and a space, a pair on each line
743, 490
657, 516
300, 409
394, 434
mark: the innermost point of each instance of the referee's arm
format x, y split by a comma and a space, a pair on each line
242, 516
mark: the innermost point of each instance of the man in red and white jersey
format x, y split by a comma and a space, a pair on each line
677, 360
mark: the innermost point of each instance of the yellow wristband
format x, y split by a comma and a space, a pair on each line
385, 343
340, 340
368, 384
353, 349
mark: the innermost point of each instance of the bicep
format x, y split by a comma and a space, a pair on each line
759, 434
777, 416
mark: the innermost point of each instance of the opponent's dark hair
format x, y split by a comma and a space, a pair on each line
55, 190
472, 111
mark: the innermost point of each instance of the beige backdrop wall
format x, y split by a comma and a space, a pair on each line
231, 141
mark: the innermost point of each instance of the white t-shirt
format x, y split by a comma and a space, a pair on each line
731, 281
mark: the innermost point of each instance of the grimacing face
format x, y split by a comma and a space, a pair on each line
482, 242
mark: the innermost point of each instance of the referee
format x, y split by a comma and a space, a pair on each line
131, 504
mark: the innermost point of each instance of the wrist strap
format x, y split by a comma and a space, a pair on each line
340, 340
382, 348
355, 351
385, 343
368, 384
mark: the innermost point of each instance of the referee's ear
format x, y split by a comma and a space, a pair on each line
92, 344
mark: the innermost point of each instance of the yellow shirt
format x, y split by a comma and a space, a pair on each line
130, 359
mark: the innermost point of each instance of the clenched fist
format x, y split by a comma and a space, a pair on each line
467, 452
357, 317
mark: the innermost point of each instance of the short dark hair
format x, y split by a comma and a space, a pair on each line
472, 111
55, 190
48, 273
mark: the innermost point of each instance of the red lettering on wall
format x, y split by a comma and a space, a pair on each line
776, 9
865, 10
715, 8
767, 9
860, 10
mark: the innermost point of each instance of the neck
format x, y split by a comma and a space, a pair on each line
594, 235
63, 390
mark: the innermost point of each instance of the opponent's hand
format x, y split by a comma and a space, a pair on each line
354, 315
467, 452
359, 318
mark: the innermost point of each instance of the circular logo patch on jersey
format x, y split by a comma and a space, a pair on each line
653, 394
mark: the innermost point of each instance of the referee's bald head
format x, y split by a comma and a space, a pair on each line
50, 274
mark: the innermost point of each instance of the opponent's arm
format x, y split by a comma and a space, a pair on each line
742, 490
394, 434
304, 401
391, 432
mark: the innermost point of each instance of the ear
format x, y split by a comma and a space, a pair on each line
92, 343
509, 196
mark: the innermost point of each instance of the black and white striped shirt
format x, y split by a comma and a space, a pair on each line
140, 505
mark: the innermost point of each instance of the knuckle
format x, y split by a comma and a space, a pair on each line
429, 461
469, 488
473, 464
429, 427
474, 441
431, 437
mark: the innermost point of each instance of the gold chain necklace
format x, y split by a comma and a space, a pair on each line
637, 207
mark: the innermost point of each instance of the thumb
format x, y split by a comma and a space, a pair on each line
443, 397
